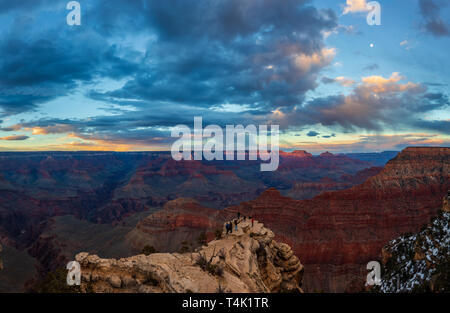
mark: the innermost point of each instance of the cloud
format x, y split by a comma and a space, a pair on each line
346, 29
371, 67
28, 5
441, 126
44, 66
53, 129
132, 128
312, 133
364, 143
341, 80
355, 6
180, 59
15, 137
433, 22
11, 128
256, 53
318, 59
376, 103
407, 44
380, 85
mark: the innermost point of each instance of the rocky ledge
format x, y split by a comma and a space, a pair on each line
248, 260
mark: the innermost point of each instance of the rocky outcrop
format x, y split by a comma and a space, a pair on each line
248, 260
419, 262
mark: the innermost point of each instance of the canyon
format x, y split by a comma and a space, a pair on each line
54, 204
336, 212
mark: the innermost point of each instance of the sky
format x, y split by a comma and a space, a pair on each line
134, 69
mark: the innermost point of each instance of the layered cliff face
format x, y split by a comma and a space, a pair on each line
180, 221
307, 190
248, 260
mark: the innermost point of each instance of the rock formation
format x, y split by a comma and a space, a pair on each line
419, 262
248, 260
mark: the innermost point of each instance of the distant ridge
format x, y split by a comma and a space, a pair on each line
376, 158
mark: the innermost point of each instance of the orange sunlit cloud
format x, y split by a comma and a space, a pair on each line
379, 84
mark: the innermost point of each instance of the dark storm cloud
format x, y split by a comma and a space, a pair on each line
434, 24
226, 20
208, 53
219, 20
197, 53
7, 6
41, 69
440, 126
